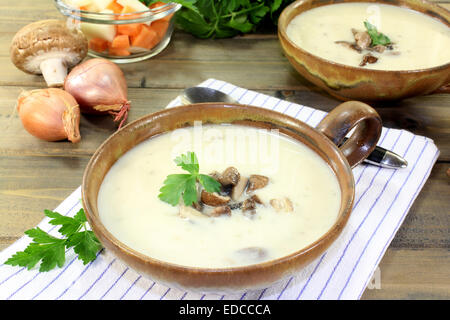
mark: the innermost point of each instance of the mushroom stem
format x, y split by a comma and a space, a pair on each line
54, 71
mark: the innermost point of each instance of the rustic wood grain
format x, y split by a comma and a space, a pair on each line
31, 184
411, 274
37, 175
426, 115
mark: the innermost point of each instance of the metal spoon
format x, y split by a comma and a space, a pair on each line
379, 157
203, 94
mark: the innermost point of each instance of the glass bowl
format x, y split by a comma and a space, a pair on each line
123, 37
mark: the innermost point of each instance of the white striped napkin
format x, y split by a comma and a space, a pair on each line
383, 198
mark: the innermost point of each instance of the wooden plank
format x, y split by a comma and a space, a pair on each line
171, 74
427, 223
94, 129
411, 274
426, 115
30, 184
204, 49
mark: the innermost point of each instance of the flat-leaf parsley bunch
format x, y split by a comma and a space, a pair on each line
50, 250
224, 18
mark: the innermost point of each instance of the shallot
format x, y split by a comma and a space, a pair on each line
99, 87
50, 114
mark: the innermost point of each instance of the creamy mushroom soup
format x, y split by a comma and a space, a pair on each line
291, 198
330, 32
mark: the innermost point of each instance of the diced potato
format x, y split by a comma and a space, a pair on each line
130, 9
102, 4
79, 3
107, 11
136, 5
90, 7
102, 31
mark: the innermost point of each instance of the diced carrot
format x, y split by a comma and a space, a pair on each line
84, 8
160, 26
127, 9
115, 7
120, 42
159, 4
147, 38
98, 44
131, 29
156, 5
118, 52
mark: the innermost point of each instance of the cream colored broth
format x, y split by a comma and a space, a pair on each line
130, 208
423, 42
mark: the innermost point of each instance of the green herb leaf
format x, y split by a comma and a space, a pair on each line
45, 248
174, 187
378, 38
68, 225
188, 162
210, 184
190, 191
85, 245
225, 18
184, 186
50, 251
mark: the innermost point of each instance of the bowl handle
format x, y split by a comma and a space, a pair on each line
342, 119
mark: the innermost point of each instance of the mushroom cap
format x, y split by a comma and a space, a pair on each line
45, 39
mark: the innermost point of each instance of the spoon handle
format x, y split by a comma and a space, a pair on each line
382, 157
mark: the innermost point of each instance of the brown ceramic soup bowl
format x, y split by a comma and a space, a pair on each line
353, 83
323, 140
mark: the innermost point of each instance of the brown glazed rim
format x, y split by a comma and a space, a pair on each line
257, 115
283, 23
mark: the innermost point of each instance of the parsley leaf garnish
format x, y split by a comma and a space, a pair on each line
378, 38
185, 185
50, 250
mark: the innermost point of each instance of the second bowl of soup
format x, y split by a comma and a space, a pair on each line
368, 50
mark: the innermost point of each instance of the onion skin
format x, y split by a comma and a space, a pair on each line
99, 87
50, 114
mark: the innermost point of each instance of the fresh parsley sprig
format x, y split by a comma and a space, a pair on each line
377, 37
50, 250
225, 18
185, 185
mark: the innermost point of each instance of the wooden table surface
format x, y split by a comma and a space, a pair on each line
37, 175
